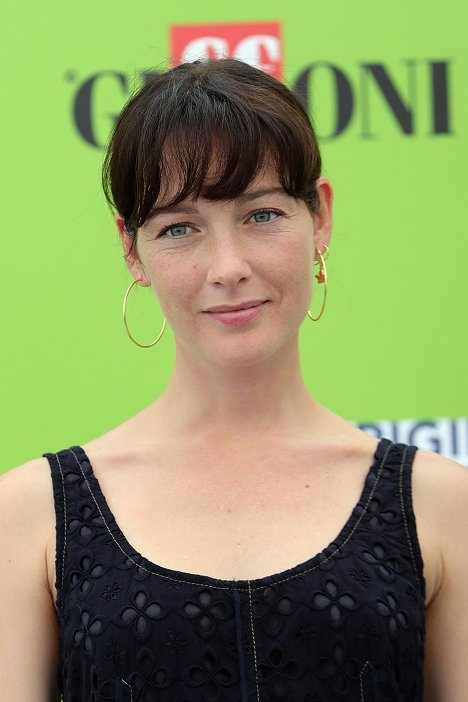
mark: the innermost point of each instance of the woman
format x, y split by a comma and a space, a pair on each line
204, 549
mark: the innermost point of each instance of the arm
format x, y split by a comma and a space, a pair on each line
441, 505
28, 624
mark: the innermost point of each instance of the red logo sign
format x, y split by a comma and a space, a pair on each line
256, 43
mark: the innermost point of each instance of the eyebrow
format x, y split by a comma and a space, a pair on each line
242, 199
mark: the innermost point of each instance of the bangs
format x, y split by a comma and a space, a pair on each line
216, 163
207, 137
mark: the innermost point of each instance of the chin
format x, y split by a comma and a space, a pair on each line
242, 356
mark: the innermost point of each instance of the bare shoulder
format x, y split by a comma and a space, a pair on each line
440, 499
28, 627
27, 514
440, 489
27, 489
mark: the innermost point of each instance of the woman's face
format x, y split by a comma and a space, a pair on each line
233, 277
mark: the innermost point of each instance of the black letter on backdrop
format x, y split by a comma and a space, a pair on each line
343, 95
83, 105
387, 88
440, 109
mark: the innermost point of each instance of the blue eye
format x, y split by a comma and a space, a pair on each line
264, 216
174, 231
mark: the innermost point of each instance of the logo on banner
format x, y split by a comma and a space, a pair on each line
357, 95
256, 43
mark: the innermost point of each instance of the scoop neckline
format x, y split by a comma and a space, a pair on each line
170, 574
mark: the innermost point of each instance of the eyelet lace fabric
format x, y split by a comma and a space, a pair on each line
347, 625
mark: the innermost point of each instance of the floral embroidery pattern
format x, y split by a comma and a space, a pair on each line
386, 566
279, 671
85, 523
206, 611
211, 675
110, 591
379, 516
140, 615
339, 668
271, 610
360, 576
348, 621
88, 628
135, 566
101, 690
305, 634
395, 616
88, 570
115, 654
175, 642
334, 601
149, 678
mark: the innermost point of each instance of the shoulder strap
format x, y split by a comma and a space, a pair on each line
70, 499
406, 501
60, 502
80, 526
388, 510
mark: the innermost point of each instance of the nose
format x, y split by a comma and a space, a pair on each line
228, 264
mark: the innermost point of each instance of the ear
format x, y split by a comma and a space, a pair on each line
132, 260
323, 215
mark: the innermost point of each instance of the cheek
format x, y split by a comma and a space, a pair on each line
176, 289
294, 267
175, 280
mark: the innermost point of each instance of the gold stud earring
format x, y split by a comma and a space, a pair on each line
322, 279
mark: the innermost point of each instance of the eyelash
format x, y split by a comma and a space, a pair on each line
266, 209
165, 230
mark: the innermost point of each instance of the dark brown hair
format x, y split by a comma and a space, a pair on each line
223, 115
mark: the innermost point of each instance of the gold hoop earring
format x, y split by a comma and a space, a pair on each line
142, 346
322, 278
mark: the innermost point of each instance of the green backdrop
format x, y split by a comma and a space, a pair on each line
387, 87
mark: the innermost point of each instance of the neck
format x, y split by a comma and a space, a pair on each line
265, 399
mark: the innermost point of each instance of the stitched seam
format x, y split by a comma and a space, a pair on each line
253, 641
131, 689
230, 587
244, 696
360, 680
403, 511
64, 519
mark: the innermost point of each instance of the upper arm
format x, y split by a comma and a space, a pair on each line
28, 623
441, 488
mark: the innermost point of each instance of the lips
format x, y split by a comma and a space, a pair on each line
237, 315
236, 307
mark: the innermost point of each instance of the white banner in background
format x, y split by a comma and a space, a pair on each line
449, 437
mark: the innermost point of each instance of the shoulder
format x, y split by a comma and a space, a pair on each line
440, 487
440, 499
28, 626
26, 505
26, 485
28, 522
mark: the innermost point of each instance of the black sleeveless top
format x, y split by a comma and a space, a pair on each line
346, 625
